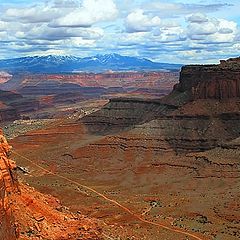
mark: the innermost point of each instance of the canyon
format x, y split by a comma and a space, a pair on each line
144, 166
200, 113
92, 84
22, 94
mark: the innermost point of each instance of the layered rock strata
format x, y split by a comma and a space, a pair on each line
220, 81
7, 223
153, 80
124, 113
201, 112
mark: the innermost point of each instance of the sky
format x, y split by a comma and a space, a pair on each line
189, 31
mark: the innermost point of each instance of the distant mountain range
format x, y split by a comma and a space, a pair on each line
98, 63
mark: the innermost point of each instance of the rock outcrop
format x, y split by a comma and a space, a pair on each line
220, 81
7, 227
7, 223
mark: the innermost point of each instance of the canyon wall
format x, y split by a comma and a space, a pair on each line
7, 223
153, 80
7, 229
124, 113
153, 126
220, 81
201, 113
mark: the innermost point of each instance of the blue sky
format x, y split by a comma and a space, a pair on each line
168, 31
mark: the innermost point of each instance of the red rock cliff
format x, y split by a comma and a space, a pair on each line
7, 226
220, 81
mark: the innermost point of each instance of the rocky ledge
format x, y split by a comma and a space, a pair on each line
124, 113
7, 187
220, 81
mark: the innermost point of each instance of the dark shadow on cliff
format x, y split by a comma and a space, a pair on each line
195, 126
122, 114
202, 111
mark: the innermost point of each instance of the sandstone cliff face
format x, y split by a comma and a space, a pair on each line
211, 81
7, 229
7, 223
198, 126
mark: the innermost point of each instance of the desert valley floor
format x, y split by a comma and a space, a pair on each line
196, 191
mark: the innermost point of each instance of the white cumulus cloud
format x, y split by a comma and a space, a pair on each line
197, 18
137, 21
210, 30
34, 14
89, 13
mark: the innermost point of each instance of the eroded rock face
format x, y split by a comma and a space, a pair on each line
211, 81
7, 228
124, 113
197, 126
151, 80
7, 223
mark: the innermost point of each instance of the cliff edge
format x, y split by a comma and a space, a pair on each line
221, 81
7, 188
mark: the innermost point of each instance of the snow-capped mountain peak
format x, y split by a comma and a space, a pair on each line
98, 63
